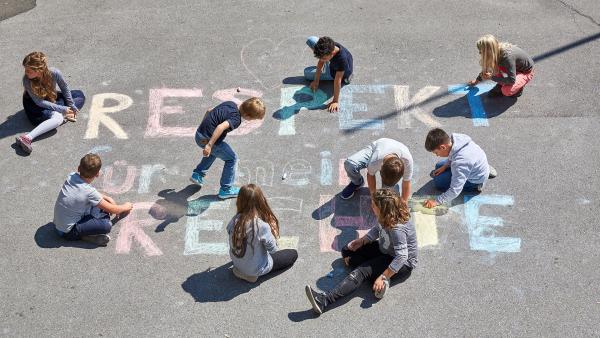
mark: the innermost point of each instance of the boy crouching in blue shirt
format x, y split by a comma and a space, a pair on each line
81, 212
210, 137
335, 63
465, 169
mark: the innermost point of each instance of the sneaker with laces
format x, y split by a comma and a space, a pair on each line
349, 190
25, 143
197, 179
493, 172
316, 299
229, 193
241, 275
386, 285
99, 240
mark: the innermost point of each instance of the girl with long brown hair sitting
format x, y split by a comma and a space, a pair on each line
388, 250
44, 106
253, 234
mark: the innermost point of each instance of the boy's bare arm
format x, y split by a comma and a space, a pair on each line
406, 186
337, 86
371, 183
113, 208
315, 84
215, 136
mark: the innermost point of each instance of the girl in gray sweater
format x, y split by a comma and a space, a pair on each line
388, 250
44, 106
253, 234
506, 64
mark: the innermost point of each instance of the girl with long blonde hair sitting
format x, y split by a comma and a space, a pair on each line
44, 106
506, 64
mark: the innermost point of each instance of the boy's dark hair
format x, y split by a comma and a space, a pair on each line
435, 138
324, 46
391, 171
89, 166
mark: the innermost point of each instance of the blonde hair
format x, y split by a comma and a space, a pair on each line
253, 109
491, 51
42, 86
392, 208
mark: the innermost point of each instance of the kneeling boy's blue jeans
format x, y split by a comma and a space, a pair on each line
443, 180
223, 151
90, 225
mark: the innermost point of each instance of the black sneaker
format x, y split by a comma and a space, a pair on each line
317, 299
349, 190
99, 240
493, 172
496, 91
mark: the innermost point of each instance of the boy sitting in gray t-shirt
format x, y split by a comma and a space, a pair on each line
81, 212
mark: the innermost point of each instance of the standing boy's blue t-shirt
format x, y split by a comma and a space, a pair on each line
226, 111
341, 62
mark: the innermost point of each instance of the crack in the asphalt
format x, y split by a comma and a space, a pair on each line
575, 10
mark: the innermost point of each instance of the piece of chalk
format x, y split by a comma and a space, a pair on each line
284, 176
238, 89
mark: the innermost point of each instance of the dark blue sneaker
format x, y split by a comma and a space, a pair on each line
316, 299
197, 179
229, 193
349, 190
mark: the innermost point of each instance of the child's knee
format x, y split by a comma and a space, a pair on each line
509, 90
350, 166
312, 41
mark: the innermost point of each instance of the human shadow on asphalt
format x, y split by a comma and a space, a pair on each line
220, 285
15, 124
47, 238
174, 205
460, 107
349, 216
307, 99
337, 274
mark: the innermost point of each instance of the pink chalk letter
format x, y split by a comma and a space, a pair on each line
131, 230
157, 109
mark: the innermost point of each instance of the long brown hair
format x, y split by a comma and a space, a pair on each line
251, 203
42, 86
392, 209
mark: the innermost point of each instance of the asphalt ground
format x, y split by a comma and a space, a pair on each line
521, 259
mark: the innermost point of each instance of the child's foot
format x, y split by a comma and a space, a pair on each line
316, 299
349, 190
25, 143
496, 91
197, 179
229, 193
380, 294
241, 275
70, 117
99, 240
519, 93
493, 172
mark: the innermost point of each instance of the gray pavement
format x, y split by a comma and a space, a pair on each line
519, 260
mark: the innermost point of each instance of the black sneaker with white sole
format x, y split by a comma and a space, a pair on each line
99, 240
493, 172
317, 299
